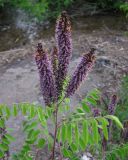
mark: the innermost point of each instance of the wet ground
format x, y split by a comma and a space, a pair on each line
19, 81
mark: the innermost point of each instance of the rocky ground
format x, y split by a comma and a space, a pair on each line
19, 80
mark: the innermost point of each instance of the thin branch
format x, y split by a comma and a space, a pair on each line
55, 133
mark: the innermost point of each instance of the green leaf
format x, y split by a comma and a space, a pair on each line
41, 115
105, 124
30, 141
114, 118
90, 139
49, 111
76, 134
15, 110
34, 133
67, 101
32, 112
95, 94
67, 108
80, 110
105, 131
27, 157
45, 131
86, 107
73, 147
50, 142
24, 109
26, 148
9, 137
91, 101
30, 126
58, 134
64, 133
2, 123
69, 133
1, 154
1, 112
66, 153
95, 130
10, 129
85, 133
4, 147
41, 143
82, 144
5, 141
7, 111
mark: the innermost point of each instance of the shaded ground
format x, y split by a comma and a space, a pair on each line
19, 81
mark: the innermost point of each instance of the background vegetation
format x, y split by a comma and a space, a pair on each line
44, 9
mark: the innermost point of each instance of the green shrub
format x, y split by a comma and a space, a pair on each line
42, 9
76, 131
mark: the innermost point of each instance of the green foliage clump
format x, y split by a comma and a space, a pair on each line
122, 107
107, 4
76, 131
124, 8
42, 9
119, 148
119, 5
118, 152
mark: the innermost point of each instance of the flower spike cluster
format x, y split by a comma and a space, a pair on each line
46, 76
53, 72
64, 44
81, 72
111, 107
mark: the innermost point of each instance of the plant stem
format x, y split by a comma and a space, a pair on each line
56, 128
61, 157
55, 133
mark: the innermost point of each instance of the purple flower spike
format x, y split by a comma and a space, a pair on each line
46, 75
111, 107
54, 60
81, 72
64, 44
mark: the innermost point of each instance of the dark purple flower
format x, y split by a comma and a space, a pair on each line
111, 111
111, 107
54, 60
81, 72
96, 112
46, 75
64, 44
3, 132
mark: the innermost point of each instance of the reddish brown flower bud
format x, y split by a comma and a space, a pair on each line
46, 75
113, 102
81, 73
